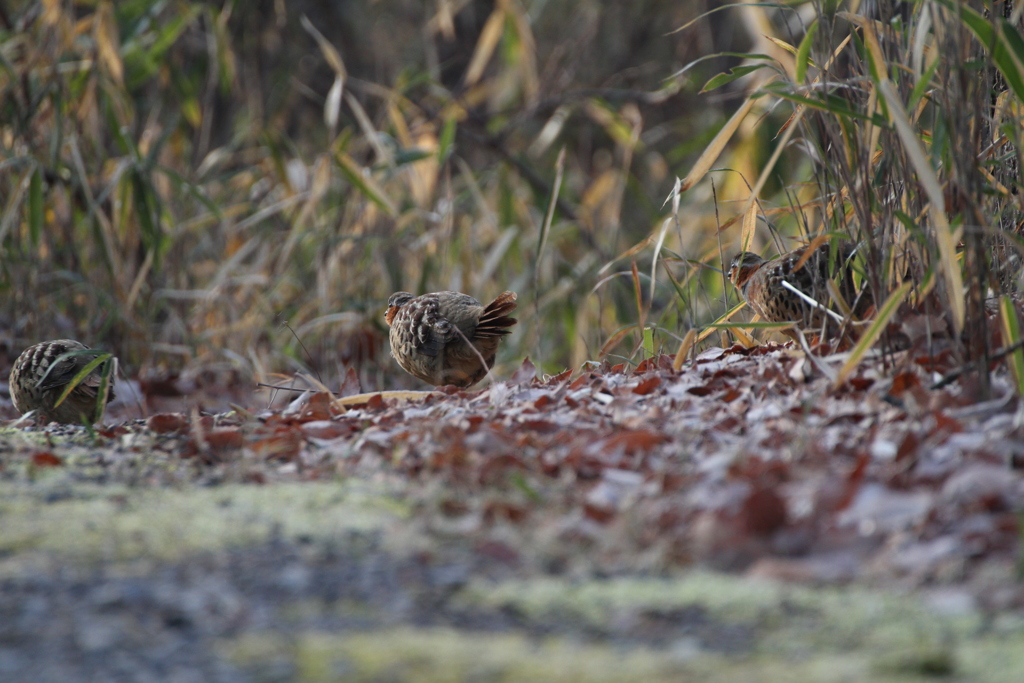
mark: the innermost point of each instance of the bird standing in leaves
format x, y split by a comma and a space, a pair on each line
761, 283
441, 337
42, 373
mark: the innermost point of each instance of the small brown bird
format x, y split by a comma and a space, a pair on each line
760, 282
40, 375
441, 337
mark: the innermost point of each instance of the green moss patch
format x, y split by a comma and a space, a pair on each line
84, 522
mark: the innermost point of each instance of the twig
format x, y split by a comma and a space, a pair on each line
477, 353
949, 377
279, 387
822, 368
305, 350
812, 302
403, 394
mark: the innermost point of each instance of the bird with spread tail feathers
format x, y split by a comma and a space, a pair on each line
761, 283
41, 374
442, 337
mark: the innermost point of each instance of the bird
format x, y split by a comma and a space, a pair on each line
441, 337
760, 281
42, 373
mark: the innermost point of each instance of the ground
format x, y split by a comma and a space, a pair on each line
747, 517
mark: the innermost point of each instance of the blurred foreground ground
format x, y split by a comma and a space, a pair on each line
739, 520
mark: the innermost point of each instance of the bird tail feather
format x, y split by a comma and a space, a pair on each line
495, 321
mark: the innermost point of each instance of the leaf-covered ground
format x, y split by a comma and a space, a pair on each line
740, 519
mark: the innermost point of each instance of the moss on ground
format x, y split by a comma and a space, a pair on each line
699, 626
88, 523
826, 635
427, 655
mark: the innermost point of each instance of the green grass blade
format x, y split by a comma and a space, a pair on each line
549, 214
81, 374
365, 183
447, 139
35, 207
1011, 336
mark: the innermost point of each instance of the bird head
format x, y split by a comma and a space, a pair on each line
396, 301
743, 265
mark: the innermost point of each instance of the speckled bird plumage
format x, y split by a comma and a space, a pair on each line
431, 334
34, 385
760, 282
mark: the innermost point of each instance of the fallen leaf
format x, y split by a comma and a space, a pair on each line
647, 385
351, 385
46, 459
525, 373
763, 512
165, 423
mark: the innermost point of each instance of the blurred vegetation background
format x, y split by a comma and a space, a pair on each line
179, 179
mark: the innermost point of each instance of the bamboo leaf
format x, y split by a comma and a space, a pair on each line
485, 45
107, 42
329, 52
782, 44
684, 349
829, 103
143, 55
364, 182
100, 359
749, 224
715, 147
1011, 336
803, 53
734, 73
649, 342
614, 340
1004, 45
708, 329
874, 331
922, 84
632, 251
945, 237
